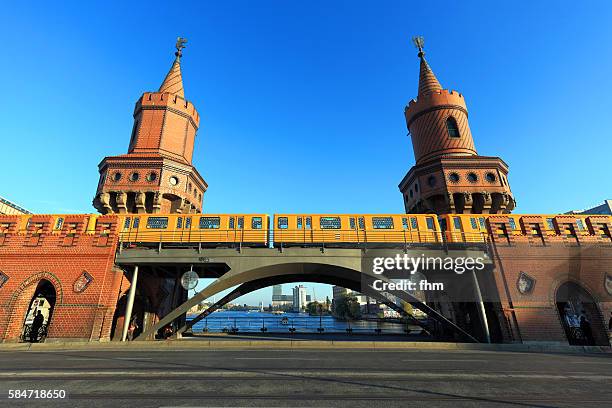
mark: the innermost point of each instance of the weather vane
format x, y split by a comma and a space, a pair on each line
419, 42
180, 44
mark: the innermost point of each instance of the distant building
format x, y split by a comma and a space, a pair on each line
339, 291
299, 298
602, 209
9, 208
280, 301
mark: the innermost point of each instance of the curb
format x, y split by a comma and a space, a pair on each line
300, 344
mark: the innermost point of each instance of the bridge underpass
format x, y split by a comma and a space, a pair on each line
249, 269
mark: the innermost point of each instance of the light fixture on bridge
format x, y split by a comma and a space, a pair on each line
189, 280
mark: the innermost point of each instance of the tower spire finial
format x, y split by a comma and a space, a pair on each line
180, 44
173, 83
427, 80
419, 42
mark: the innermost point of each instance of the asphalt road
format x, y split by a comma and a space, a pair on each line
312, 378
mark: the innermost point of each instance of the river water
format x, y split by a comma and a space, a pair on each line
220, 321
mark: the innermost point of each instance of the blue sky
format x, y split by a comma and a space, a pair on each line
301, 103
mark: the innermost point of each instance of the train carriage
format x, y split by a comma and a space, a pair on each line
354, 229
215, 229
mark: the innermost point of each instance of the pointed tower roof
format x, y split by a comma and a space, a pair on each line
427, 80
173, 83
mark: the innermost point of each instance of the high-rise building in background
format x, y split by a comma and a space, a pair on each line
299, 298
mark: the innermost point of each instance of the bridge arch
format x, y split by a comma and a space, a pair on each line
261, 275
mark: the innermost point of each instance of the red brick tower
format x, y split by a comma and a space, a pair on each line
449, 176
156, 175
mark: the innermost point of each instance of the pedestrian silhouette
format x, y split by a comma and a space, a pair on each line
132, 328
585, 327
36, 325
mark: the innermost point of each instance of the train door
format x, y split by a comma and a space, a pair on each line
458, 234
361, 230
303, 232
130, 229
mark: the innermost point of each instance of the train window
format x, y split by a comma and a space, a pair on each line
413, 223
179, 223
361, 223
474, 223
188, 222
231, 223
126, 224
352, 223
404, 223
330, 223
157, 222
210, 222
551, 224
256, 223
382, 222
580, 225
299, 222
308, 223
512, 223
430, 223
283, 223
457, 223
136, 222
59, 223
240, 222
483, 225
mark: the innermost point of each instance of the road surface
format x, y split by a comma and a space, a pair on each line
312, 378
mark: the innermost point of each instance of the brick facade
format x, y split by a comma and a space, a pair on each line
60, 257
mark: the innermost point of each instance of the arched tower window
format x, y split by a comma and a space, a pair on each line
451, 127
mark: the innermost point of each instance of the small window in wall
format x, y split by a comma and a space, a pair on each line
126, 223
512, 223
283, 222
382, 222
308, 223
451, 127
551, 224
59, 223
210, 222
352, 223
405, 223
457, 223
361, 222
413, 223
330, 223
232, 223
299, 223
136, 222
580, 224
256, 223
179, 223
240, 222
157, 222
188, 222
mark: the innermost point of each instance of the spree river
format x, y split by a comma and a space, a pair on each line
220, 321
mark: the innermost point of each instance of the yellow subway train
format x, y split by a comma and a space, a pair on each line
341, 230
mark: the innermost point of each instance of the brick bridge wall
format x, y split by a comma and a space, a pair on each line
550, 261
62, 256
